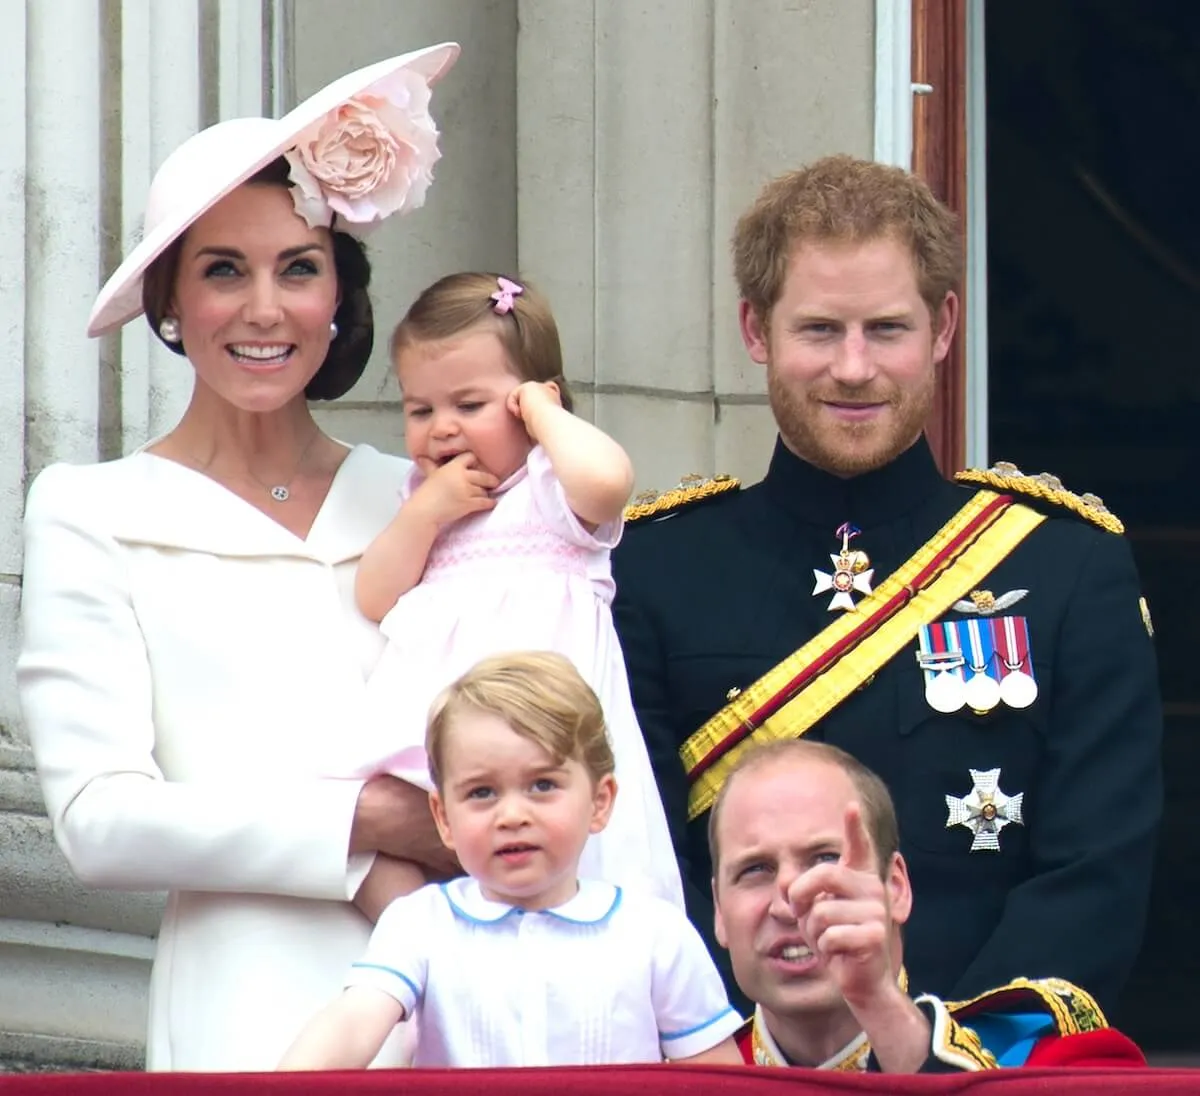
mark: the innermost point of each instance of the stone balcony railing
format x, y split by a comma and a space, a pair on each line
74, 963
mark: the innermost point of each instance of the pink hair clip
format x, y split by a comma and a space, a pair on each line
504, 296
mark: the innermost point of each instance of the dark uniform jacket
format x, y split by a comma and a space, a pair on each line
712, 597
1039, 1023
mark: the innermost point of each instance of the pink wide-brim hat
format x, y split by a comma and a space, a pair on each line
217, 160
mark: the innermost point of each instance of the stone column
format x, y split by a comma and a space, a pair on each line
643, 130
241, 43
12, 368
95, 94
62, 168
159, 109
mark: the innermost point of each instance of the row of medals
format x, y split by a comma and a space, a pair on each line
946, 689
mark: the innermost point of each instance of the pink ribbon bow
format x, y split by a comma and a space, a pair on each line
504, 296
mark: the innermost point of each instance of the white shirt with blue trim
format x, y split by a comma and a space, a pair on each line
609, 976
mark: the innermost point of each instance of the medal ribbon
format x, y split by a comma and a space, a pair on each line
953, 641
1014, 648
983, 649
933, 642
939, 656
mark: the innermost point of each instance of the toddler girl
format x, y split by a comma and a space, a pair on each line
502, 542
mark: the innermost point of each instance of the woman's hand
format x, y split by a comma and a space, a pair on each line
393, 817
387, 880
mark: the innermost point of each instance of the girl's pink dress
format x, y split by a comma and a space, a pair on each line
525, 575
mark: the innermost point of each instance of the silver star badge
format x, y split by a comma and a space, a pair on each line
844, 581
852, 571
985, 811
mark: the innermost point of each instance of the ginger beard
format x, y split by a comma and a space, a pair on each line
850, 448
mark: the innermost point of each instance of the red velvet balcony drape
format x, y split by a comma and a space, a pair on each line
613, 1081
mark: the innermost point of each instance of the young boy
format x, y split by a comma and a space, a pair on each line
520, 962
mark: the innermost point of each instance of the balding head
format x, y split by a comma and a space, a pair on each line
878, 811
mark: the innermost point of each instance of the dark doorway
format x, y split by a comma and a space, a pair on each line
1094, 355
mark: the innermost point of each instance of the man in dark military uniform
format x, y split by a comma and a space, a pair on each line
985, 651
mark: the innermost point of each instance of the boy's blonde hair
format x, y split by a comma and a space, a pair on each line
540, 695
463, 302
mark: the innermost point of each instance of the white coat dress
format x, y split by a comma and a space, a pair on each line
192, 679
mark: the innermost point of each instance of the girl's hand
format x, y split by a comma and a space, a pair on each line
453, 490
527, 397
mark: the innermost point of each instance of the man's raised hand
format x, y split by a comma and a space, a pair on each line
842, 911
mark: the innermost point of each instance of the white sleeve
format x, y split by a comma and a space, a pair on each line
690, 1004
397, 957
551, 502
85, 689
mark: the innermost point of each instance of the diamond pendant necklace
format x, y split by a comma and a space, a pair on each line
281, 492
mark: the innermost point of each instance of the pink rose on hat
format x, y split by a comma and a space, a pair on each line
369, 157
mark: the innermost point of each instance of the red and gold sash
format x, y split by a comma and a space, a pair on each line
808, 684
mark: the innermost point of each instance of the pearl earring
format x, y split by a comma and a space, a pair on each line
333, 329
169, 329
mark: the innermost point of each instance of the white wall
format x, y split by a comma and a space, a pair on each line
469, 218
606, 150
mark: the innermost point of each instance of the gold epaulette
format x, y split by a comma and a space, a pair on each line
691, 489
1008, 478
1073, 1010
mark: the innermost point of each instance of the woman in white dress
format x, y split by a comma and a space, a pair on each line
193, 668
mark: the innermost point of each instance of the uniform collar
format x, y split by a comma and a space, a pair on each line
819, 498
594, 903
854, 1057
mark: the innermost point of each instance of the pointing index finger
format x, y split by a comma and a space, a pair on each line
856, 851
